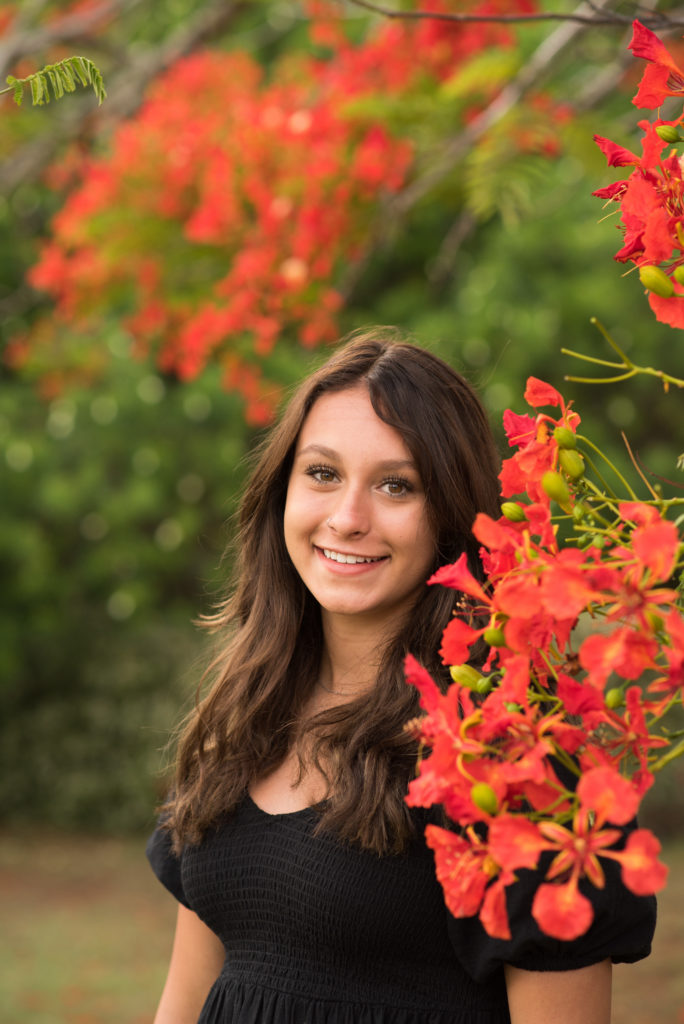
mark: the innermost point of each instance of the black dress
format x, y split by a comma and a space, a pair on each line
318, 931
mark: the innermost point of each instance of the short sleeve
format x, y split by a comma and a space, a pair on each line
622, 930
166, 864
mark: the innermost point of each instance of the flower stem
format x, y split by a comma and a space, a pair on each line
630, 368
669, 756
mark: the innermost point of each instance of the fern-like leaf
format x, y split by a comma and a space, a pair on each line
59, 78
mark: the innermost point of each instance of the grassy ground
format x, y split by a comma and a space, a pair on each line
86, 936
86, 929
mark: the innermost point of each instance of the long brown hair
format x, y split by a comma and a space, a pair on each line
270, 625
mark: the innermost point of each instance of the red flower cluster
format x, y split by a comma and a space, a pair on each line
229, 207
224, 224
652, 198
539, 750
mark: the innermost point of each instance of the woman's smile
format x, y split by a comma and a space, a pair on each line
350, 565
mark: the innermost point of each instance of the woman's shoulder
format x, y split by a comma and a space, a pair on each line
165, 863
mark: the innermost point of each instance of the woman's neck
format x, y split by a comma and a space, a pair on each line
351, 656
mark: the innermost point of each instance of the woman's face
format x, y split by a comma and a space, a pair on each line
355, 520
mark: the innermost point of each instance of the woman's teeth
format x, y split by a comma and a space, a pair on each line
336, 556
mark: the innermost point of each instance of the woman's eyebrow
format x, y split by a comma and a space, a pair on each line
329, 453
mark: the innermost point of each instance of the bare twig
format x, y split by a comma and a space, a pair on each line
596, 16
535, 68
636, 464
454, 150
441, 268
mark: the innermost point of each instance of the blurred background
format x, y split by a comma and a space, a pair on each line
263, 177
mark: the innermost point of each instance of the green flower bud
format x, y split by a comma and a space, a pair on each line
484, 686
555, 486
614, 698
579, 512
465, 675
511, 706
678, 274
668, 133
599, 542
656, 280
571, 463
494, 636
564, 437
513, 512
484, 797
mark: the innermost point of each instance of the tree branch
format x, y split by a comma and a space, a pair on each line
535, 68
597, 17
456, 149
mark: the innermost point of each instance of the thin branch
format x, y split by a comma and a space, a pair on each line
453, 151
441, 267
654, 20
636, 464
535, 68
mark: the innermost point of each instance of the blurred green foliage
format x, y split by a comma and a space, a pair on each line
113, 518
115, 499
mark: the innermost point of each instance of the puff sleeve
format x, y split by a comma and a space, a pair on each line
166, 865
622, 931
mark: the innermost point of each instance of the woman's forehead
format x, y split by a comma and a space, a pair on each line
344, 420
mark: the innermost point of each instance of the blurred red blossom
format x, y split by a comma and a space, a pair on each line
225, 218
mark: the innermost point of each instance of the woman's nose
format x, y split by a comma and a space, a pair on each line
350, 514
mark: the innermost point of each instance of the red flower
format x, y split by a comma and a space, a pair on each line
673, 653
562, 911
419, 677
642, 872
654, 541
625, 651
609, 795
459, 577
651, 199
632, 738
516, 842
616, 155
456, 641
465, 869
662, 77
581, 699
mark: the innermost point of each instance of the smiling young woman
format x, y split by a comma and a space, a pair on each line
307, 892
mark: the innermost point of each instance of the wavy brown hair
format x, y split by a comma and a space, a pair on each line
270, 625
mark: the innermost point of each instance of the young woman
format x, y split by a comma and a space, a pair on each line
307, 894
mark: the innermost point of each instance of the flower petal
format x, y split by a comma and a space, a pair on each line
562, 911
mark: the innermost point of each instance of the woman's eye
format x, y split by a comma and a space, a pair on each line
397, 488
321, 474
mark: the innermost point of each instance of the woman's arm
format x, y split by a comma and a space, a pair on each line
560, 997
196, 961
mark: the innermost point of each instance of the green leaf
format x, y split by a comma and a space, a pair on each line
37, 89
65, 73
18, 88
62, 77
56, 83
79, 67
